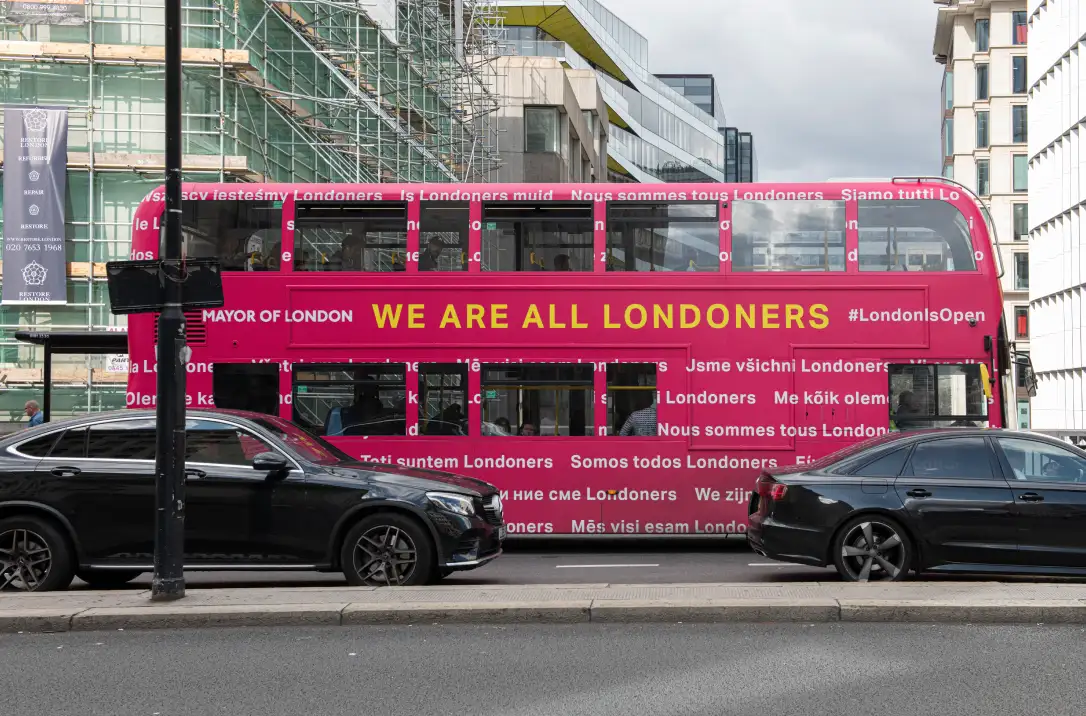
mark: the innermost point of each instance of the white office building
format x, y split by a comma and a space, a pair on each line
1056, 210
983, 44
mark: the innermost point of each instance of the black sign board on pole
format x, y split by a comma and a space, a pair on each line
139, 286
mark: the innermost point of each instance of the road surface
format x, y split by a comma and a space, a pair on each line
592, 669
568, 562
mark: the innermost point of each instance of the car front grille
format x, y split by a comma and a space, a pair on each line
485, 508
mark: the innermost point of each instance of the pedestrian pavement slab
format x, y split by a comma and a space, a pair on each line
920, 602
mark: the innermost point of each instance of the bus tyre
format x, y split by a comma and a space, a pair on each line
387, 550
34, 555
107, 578
871, 548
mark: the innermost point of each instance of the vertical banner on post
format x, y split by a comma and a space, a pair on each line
35, 180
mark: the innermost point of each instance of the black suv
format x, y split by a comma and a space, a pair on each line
77, 497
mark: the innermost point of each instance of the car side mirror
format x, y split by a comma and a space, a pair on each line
270, 462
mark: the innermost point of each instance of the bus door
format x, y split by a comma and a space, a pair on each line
841, 398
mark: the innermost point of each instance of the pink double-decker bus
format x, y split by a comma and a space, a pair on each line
615, 358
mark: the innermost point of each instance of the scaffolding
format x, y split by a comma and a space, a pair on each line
274, 90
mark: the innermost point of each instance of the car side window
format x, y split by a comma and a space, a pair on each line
888, 465
1037, 461
38, 447
73, 443
122, 440
222, 444
966, 458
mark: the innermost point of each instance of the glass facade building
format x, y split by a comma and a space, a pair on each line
262, 102
740, 159
657, 133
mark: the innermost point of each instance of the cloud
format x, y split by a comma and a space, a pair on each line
830, 88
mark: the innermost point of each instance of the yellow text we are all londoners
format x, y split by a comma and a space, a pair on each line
631, 316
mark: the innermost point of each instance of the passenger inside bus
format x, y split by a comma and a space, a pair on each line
367, 408
430, 259
642, 423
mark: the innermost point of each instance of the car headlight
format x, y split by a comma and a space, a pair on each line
457, 504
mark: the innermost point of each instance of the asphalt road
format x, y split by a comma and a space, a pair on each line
640, 561
591, 669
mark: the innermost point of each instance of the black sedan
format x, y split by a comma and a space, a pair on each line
941, 500
77, 498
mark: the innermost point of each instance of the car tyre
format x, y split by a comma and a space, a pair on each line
35, 556
107, 578
388, 550
872, 548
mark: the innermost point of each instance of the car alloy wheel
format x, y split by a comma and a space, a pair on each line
873, 550
385, 555
25, 560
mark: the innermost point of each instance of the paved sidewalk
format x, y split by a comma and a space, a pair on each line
925, 602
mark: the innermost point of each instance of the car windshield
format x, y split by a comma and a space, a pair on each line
311, 448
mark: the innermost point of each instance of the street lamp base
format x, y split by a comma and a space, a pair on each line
167, 590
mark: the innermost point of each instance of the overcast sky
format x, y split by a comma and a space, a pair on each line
830, 88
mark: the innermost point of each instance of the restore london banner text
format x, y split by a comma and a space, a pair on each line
35, 180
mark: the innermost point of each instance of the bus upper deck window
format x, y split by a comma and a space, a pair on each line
788, 235
351, 236
922, 235
663, 236
243, 235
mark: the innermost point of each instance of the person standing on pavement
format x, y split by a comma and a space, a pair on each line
32, 410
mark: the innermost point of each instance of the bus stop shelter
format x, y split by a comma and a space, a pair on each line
70, 343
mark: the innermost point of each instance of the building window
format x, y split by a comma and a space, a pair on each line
982, 130
982, 35
948, 171
1018, 74
982, 177
1021, 322
1021, 172
948, 137
1023, 414
982, 82
537, 237
1019, 124
663, 237
631, 399
948, 91
541, 129
1020, 25
1021, 222
787, 235
537, 399
1021, 272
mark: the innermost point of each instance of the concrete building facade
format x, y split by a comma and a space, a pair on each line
656, 133
985, 134
1057, 209
553, 122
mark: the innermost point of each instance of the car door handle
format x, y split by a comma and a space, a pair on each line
65, 471
1031, 497
918, 492
194, 474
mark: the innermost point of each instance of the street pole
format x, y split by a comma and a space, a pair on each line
169, 579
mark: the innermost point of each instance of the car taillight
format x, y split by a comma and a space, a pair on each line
770, 489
